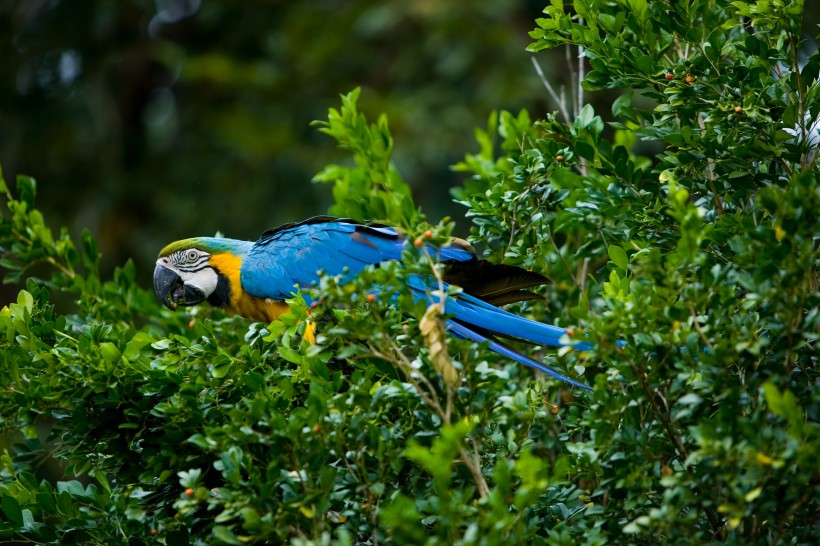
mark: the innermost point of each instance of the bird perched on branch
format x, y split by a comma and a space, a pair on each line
253, 279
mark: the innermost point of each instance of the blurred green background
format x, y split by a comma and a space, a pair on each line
149, 121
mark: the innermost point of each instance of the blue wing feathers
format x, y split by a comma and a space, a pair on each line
311, 246
455, 253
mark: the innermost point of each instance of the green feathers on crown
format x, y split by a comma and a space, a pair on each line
211, 245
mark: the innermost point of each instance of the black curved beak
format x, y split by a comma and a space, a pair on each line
172, 291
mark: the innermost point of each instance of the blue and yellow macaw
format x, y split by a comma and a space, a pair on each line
253, 279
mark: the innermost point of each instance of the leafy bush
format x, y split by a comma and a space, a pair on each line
703, 428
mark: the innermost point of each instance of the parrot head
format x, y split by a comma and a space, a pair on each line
195, 270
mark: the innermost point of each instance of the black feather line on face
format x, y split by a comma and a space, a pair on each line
222, 294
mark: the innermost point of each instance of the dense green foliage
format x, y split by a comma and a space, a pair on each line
703, 428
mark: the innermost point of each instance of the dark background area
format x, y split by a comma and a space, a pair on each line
150, 121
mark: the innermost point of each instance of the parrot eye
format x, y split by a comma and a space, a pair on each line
189, 259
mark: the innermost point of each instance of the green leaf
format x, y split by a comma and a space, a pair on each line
4, 189
225, 536
784, 404
11, 508
109, 352
136, 344
622, 107
27, 190
220, 366
587, 151
291, 355
596, 80
618, 257
639, 9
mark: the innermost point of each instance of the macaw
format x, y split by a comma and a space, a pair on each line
253, 279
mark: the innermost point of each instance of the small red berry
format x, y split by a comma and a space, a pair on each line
154, 532
317, 428
189, 492
428, 234
191, 323
689, 78
559, 158
371, 298
738, 109
418, 242
669, 76
570, 331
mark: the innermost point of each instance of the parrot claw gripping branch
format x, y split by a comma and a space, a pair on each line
253, 279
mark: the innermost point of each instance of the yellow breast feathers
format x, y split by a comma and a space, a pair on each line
240, 302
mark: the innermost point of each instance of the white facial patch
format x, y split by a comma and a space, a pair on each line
204, 279
193, 268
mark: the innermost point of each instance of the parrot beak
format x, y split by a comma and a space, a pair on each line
172, 291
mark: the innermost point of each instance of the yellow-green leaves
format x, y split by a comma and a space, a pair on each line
373, 189
784, 405
618, 257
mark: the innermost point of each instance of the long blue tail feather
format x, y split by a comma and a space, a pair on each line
471, 316
463, 331
473, 311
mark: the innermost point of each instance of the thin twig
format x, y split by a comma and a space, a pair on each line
573, 88
561, 256
429, 395
710, 174
581, 76
475, 469
698, 329
558, 100
582, 275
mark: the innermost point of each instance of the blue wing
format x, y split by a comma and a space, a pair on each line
292, 255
